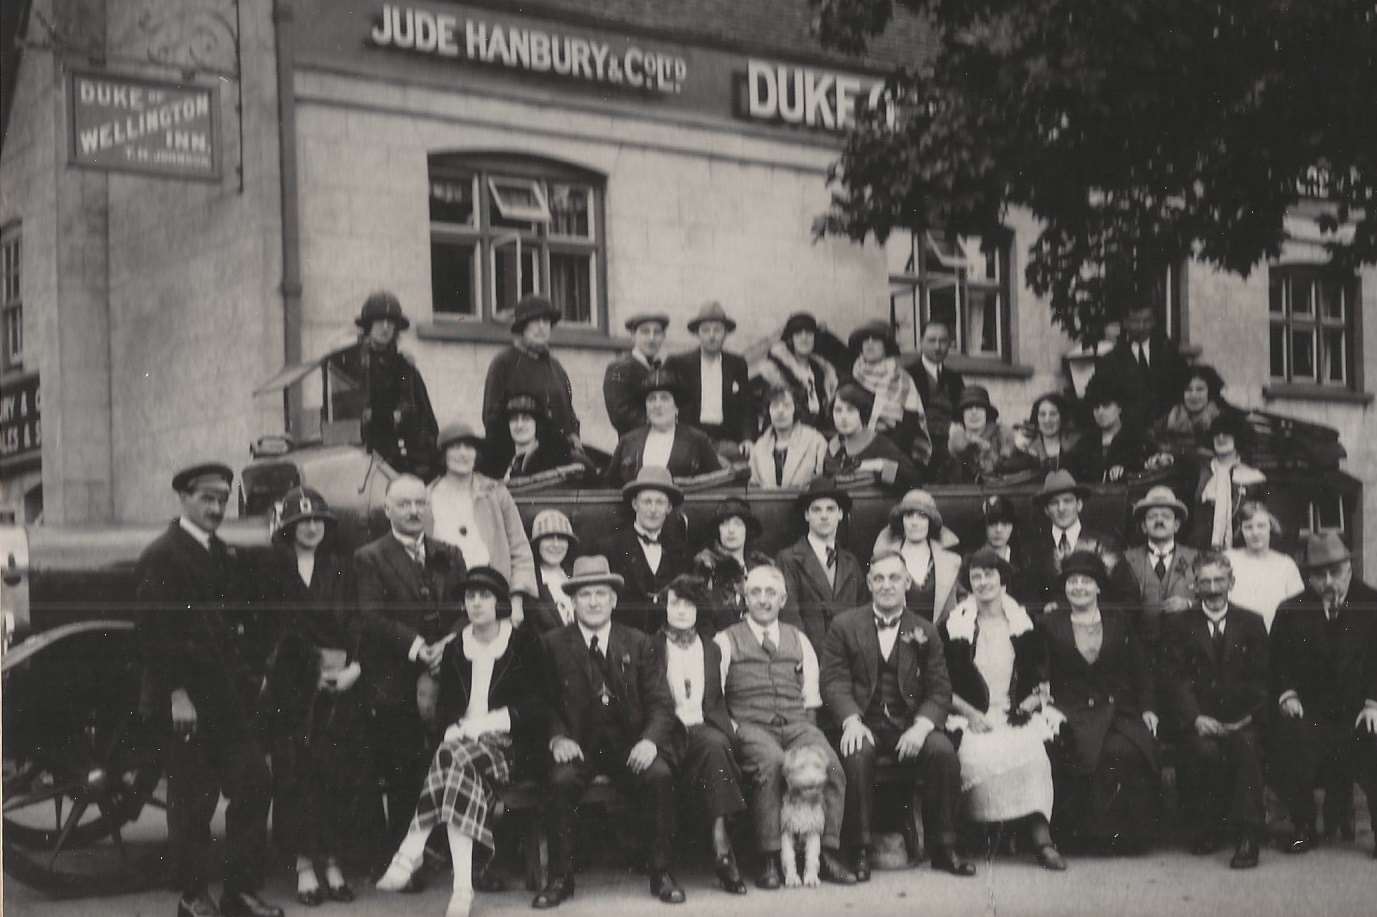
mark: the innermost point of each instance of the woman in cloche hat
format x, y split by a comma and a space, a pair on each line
725, 561
979, 445
552, 539
793, 362
314, 710
916, 532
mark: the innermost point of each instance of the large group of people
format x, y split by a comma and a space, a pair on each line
1031, 680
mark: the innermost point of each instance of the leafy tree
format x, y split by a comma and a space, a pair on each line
1137, 132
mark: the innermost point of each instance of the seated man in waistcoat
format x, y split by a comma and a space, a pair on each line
770, 680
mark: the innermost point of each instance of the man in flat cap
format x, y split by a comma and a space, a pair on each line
398, 422
622, 382
529, 366
1324, 686
717, 395
193, 629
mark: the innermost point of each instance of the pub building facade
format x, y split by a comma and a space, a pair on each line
617, 157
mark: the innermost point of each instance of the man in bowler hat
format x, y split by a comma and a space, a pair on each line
193, 590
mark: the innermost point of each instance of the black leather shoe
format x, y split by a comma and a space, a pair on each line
1049, 857
1207, 842
247, 904
663, 886
728, 875
949, 861
832, 869
1301, 842
862, 863
770, 877
197, 906
555, 892
1245, 857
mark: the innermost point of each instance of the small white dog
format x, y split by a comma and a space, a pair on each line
801, 815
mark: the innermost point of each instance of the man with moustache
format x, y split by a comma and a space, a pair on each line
193, 591
409, 595
1163, 570
622, 382
1216, 688
1324, 683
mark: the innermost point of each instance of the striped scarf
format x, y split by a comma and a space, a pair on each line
891, 387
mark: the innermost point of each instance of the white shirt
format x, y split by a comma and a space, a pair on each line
684, 668
603, 634
554, 579
931, 368
1073, 535
657, 448
820, 550
653, 552
1165, 554
1142, 351
887, 635
484, 657
710, 406
1216, 619
640, 358
306, 566
195, 531
451, 506
811, 698
917, 556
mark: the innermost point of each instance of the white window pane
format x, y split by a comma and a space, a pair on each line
944, 251
982, 322
571, 211
571, 286
453, 286
519, 200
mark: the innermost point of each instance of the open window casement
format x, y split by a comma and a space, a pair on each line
520, 200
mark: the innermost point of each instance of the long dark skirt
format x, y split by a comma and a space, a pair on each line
705, 763
1118, 801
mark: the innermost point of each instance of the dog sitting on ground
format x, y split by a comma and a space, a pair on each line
801, 816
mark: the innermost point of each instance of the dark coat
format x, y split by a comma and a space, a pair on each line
905, 475
622, 393
196, 633
1114, 691
849, 664
1090, 461
738, 411
691, 454
645, 707
726, 583
1030, 668
636, 602
515, 684
542, 613
550, 452
1043, 567
940, 412
388, 382
1334, 678
1151, 394
399, 603
1229, 690
516, 370
812, 604
714, 703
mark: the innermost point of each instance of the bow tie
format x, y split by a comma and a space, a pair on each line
647, 539
882, 624
654, 362
681, 638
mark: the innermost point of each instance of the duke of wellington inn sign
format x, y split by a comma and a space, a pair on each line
132, 124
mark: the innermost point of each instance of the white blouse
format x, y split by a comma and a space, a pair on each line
484, 657
684, 668
1263, 583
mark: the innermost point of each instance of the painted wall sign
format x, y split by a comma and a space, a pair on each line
21, 429
807, 97
560, 54
132, 124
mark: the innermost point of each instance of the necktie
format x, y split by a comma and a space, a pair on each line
831, 558
882, 624
1142, 356
416, 553
1063, 546
599, 670
768, 645
780, 456
1160, 567
1217, 640
654, 362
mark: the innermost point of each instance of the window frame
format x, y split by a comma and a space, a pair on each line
496, 222
1316, 324
11, 297
925, 270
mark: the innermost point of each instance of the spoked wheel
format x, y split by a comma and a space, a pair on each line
81, 767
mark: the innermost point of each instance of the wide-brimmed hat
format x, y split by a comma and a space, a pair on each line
640, 318
977, 396
1322, 549
736, 507
998, 508
711, 311
592, 571
185, 480
799, 321
661, 380
820, 487
653, 477
485, 577
300, 504
1059, 482
1161, 495
379, 305
875, 329
533, 306
917, 501
458, 432
552, 522
1087, 563
986, 559
523, 403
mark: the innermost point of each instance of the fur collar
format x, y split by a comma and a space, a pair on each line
960, 624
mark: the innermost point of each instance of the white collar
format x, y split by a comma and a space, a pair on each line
474, 650
960, 623
884, 617
1215, 618
1163, 553
772, 630
820, 546
933, 369
604, 634
640, 358
408, 542
658, 536
1073, 532
195, 531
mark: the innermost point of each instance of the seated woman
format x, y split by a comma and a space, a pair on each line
1263, 577
857, 447
1224, 482
1113, 450
979, 445
701, 753
789, 454
1047, 437
724, 563
489, 698
793, 364
899, 410
995, 658
315, 713
531, 444
915, 530
1001, 521
552, 537
478, 516
686, 451
1184, 431
1106, 777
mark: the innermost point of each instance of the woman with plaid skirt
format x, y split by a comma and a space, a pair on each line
487, 696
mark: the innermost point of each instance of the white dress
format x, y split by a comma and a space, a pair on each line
1005, 773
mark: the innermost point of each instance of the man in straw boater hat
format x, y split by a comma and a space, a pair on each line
648, 552
717, 389
193, 590
611, 713
528, 365
1062, 500
398, 422
1324, 683
1163, 569
622, 381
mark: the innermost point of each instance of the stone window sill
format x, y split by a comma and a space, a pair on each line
484, 333
986, 366
1291, 391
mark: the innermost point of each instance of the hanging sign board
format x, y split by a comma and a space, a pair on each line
131, 124
21, 422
